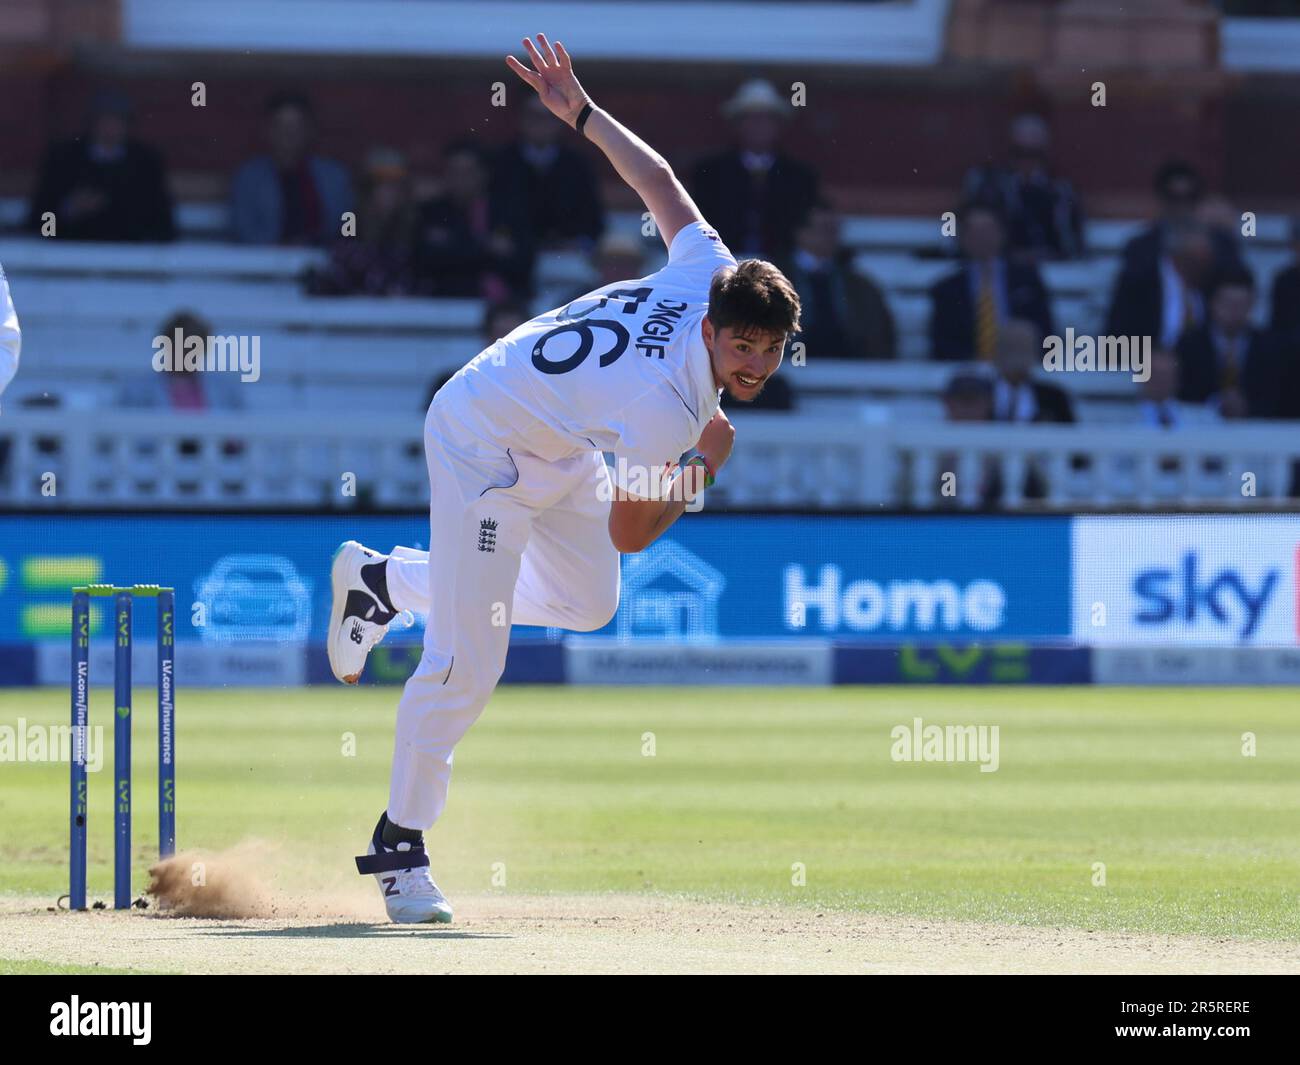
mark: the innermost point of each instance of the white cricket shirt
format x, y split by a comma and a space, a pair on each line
10, 336
622, 369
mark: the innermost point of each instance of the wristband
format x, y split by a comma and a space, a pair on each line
583, 115
700, 460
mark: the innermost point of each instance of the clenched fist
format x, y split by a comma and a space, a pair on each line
716, 441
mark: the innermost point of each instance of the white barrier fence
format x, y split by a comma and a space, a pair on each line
152, 460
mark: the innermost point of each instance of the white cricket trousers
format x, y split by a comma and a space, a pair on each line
513, 539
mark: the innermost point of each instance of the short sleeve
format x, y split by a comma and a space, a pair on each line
699, 246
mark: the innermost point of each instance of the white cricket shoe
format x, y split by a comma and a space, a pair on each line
358, 619
402, 872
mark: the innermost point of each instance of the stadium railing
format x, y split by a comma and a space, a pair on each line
57, 459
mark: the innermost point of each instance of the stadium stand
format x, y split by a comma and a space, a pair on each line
863, 435
860, 434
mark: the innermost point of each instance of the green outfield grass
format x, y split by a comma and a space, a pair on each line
553, 784
41, 968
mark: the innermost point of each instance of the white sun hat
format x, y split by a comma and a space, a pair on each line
756, 95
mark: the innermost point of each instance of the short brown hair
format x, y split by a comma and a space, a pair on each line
753, 297
189, 323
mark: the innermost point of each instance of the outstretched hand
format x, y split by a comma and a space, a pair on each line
552, 77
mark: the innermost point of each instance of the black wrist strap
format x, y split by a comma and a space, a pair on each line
583, 115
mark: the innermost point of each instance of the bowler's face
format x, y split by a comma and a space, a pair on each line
742, 363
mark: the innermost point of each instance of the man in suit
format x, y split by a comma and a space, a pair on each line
1159, 406
1179, 190
1166, 298
289, 195
1284, 317
1228, 363
970, 306
1284, 323
968, 397
754, 194
555, 183
1043, 212
105, 185
1017, 397
844, 314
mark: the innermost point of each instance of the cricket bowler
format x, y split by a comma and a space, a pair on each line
525, 525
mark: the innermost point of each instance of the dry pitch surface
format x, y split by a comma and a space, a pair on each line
604, 934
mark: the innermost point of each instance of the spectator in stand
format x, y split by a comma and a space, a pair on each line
971, 396
1179, 190
1223, 221
844, 314
1043, 212
1227, 363
554, 183
470, 242
969, 307
1284, 316
968, 397
1017, 397
619, 257
1160, 406
1167, 299
1284, 322
754, 194
105, 185
289, 195
377, 260
181, 389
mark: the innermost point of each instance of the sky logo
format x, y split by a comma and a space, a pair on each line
1184, 581
1185, 594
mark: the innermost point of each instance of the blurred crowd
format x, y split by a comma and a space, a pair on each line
1182, 279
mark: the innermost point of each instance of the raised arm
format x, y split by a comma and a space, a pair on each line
646, 172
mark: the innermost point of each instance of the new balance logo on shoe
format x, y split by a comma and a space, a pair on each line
487, 535
355, 634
